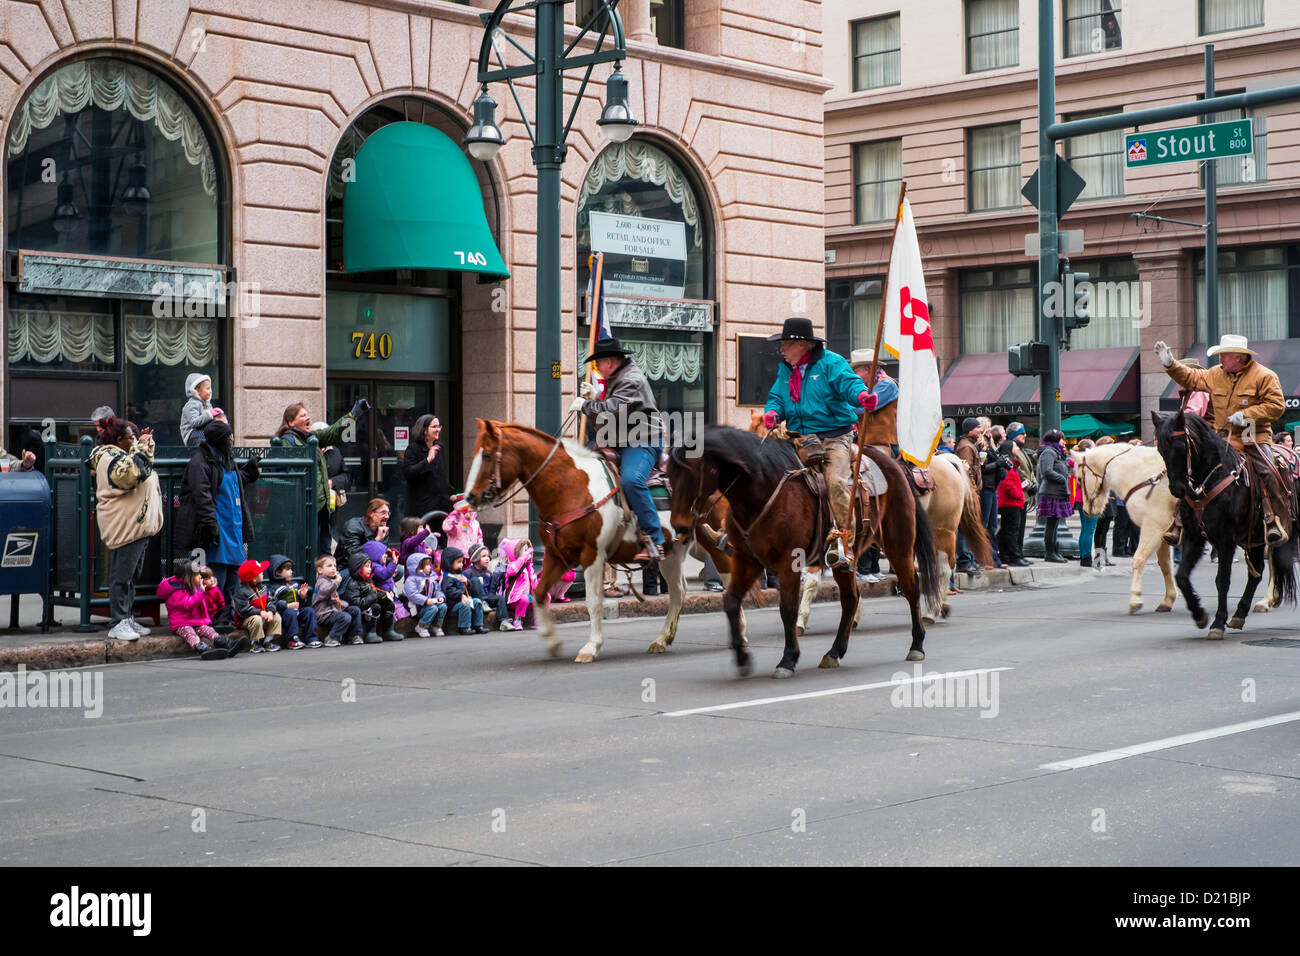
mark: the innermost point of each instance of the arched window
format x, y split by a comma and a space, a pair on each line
639, 209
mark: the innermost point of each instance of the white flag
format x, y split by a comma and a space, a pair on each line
909, 338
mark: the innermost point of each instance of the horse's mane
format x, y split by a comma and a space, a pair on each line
1206, 437
767, 460
574, 449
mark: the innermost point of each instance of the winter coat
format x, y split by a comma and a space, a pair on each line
521, 578
462, 530
454, 584
215, 600
184, 608
969, 452
196, 523
385, 571
627, 412
284, 593
351, 538
250, 600
1010, 493
828, 395
1053, 474
361, 593
128, 502
1254, 391
197, 413
325, 436
427, 485
418, 587
422, 542
327, 599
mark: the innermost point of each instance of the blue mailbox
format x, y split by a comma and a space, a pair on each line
24, 533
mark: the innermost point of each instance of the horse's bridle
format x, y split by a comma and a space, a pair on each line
494, 486
1101, 477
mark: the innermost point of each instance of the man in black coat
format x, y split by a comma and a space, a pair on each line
203, 505
424, 468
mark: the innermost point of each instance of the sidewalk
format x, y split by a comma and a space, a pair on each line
64, 647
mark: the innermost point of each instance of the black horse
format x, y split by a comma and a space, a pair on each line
774, 522
1227, 513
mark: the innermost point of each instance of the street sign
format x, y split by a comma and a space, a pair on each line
1069, 242
1068, 186
1189, 144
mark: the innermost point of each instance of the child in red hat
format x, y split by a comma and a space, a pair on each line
254, 609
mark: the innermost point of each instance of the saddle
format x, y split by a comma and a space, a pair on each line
922, 479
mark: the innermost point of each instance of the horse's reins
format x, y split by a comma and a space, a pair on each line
1149, 483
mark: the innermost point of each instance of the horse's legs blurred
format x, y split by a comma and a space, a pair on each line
673, 572
1257, 560
789, 578
1167, 569
898, 535
808, 586
552, 571
847, 582
744, 572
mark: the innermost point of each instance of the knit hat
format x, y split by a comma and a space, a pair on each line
459, 502
251, 569
193, 381
1014, 429
968, 425
475, 551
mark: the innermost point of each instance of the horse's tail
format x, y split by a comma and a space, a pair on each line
972, 527
1283, 567
933, 585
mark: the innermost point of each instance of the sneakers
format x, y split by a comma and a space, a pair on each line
123, 631
356, 639
516, 625
714, 586
506, 625
421, 631
872, 578
439, 632
329, 642
480, 630
139, 628
295, 644
270, 645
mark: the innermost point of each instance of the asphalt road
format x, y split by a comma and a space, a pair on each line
481, 750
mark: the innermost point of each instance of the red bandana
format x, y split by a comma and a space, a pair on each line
796, 377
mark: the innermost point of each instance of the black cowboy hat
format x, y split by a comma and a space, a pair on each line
796, 329
606, 348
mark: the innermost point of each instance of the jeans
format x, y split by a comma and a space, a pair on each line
124, 566
433, 614
638, 462
989, 514
1087, 525
344, 623
469, 614
711, 575
964, 558
300, 623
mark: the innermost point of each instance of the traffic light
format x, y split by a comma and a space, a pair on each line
1078, 298
1030, 358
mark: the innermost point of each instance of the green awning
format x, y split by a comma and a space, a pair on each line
1089, 426
415, 204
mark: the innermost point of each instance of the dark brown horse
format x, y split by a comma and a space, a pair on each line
774, 521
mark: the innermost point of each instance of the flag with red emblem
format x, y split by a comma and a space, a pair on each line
909, 339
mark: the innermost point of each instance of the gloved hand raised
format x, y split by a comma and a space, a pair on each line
770, 419
1165, 354
361, 406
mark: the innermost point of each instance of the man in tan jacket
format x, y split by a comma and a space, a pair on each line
1245, 398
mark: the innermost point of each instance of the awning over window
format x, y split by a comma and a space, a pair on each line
1282, 356
1102, 381
415, 204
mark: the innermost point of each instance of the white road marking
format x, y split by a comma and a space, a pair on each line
1136, 750
736, 705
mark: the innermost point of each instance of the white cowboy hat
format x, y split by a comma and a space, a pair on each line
861, 357
1230, 343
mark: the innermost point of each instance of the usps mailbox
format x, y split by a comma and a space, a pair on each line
24, 533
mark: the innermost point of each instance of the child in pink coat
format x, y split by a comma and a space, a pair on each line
520, 580
461, 526
187, 614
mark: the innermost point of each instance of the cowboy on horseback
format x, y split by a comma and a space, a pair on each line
881, 428
816, 393
1245, 399
627, 415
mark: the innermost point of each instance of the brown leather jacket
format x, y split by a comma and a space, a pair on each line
969, 452
1254, 391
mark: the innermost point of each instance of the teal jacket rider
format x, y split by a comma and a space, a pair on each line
828, 397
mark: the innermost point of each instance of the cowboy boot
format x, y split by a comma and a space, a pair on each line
1173, 535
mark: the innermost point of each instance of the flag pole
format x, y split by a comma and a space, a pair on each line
880, 327
594, 263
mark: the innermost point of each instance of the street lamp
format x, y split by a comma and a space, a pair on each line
547, 63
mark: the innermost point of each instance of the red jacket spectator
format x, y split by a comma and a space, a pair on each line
1010, 493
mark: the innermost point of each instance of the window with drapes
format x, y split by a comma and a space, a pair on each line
1258, 295
1219, 16
1118, 305
992, 34
1236, 170
877, 57
993, 165
1098, 158
852, 313
1091, 26
998, 308
877, 172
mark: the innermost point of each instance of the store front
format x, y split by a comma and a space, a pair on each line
116, 211
405, 229
639, 208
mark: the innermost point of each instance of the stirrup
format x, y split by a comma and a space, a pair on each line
1274, 533
1173, 536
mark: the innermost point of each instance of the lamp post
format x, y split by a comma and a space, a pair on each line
547, 63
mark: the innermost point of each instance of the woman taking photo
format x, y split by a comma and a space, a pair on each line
425, 470
295, 428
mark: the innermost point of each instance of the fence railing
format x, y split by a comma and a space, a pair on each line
282, 502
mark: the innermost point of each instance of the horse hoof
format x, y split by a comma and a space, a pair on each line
829, 662
927, 619
1215, 635
798, 631
555, 650
1160, 608
1201, 620
915, 655
1261, 608
945, 611
657, 648
781, 673
584, 658
1237, 623
1134, 608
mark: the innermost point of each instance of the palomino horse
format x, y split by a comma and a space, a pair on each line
1136, 473
776, 520
581, 521
1218, 505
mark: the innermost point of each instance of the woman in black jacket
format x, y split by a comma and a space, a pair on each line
425, 470
214, 514
1054, 502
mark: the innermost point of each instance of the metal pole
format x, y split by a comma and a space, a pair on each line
85, 544
1048, 331
1211, 224
548, 157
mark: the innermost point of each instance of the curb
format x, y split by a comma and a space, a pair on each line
49, 655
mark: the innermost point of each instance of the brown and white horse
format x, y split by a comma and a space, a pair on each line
582, 522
